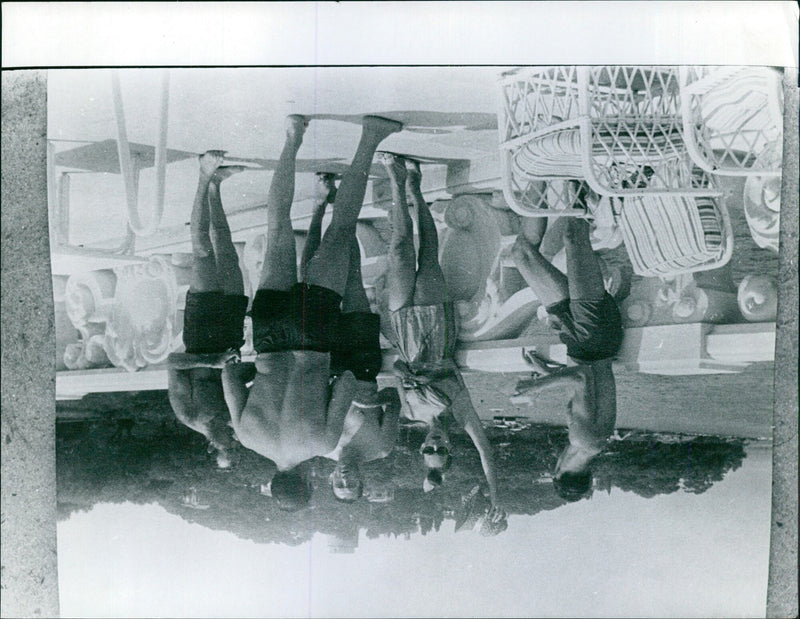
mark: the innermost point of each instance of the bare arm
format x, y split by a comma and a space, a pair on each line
187, 361
465, 414
234, 386
180, 396
566, 377
390, 427
341, 398
594, 405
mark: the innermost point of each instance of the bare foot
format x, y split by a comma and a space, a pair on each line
226, 171
325, 187
296, 125
210, 161
414, 177
395, 167
379, 127
533, 229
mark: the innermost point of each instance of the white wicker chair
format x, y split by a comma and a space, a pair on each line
667, 236
617, 128
733, 119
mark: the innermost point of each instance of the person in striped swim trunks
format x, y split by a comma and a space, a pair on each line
425, 329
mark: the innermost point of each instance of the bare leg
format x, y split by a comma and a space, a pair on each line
324, 194
228, 271
204, 266
329, 266
355, 297
279, 271
583, 269
402, 271
547, 282
429, 287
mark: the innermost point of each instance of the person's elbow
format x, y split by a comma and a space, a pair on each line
242, 434
344, 391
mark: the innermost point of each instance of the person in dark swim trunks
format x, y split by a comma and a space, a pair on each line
214, 315
425, 332
292, 412
588, 322
371, 426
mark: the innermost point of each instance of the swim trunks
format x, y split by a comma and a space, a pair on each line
357, 346
213, 322
304, 317
592, 330
425, 333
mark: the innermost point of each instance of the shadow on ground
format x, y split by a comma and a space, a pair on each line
137, 452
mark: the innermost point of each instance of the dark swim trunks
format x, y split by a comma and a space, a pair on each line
213, 322
592, 330
302, 318
357, 347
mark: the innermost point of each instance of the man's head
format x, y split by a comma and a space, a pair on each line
221, 442
437, 456
573, 486
290, 490
220, 439
572, 478
346, 482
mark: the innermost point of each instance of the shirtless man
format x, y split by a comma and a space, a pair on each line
370, 433
425, 332
371, 426
291, 413
214, 317
588, 322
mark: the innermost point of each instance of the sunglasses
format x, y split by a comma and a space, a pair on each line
430, 450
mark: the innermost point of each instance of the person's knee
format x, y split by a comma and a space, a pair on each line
401, 249
522, 251
576, 231
402, 265
430, 275
224, 247
338, 238
279, 230
429, 292
227, 257
202, 248
221, 237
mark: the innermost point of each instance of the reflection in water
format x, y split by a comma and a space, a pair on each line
107, 461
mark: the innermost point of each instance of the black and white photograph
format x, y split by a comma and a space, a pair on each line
411, 339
